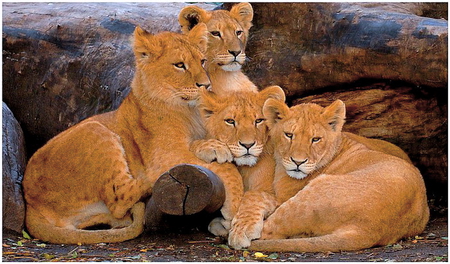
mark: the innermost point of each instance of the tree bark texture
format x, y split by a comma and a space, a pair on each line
306, 46
13, 168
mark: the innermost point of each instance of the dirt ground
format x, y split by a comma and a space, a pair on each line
192, 243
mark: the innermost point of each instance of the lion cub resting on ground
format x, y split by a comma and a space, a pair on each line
93, 173
237, 132
335, 193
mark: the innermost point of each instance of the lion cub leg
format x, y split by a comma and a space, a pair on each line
248, 223
98, 216
234, 191
121, 189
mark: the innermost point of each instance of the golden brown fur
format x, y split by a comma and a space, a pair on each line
226, 44
237, 131
335, 192
96, 171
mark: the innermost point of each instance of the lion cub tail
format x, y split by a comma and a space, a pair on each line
335, 242
40, 228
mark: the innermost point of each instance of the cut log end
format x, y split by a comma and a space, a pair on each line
188, 189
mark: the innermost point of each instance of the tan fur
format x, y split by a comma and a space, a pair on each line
228, 34
235, 126
335, 192
96, 171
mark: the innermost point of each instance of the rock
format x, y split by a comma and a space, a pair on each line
14, 162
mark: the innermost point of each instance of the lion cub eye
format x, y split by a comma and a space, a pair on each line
215, 33
230, 121
289, 135
203, 62
239, 33
316, 139
259, 121
180, 65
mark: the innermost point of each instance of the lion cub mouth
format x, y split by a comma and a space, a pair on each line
246, 160
296, 174
232, 66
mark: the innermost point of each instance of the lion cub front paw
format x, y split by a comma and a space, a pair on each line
213, 150
219, 227
242, 233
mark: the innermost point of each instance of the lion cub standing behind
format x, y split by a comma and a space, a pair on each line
227, 39
335, 193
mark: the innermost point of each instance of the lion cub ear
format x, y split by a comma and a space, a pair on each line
243, 12
199, 36
145, 44
275, 92
334, 114
190, 16
274, 111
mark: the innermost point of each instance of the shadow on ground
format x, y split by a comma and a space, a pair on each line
192, 243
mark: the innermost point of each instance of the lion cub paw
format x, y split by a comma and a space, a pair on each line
219, 227
213, 150
242, 233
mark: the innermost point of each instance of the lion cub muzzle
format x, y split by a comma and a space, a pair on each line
246, 154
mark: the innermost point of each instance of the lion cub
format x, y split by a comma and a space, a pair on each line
335, 192
237, 132
95, 173
228, 35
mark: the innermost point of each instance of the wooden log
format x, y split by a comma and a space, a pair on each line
308, 46
188, 189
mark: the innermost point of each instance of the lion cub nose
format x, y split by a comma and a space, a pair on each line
200, 85
247, 145
235, 53
299, 162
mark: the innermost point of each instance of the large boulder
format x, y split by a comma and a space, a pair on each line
13, 162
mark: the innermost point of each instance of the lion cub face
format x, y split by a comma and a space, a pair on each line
170, 66
237, 120
228, 33
306, 136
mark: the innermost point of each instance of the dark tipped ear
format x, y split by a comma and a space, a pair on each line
243, 12
145, 44
199, 36
334, 114
190, 16
274, 92
208, 103
274, 111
